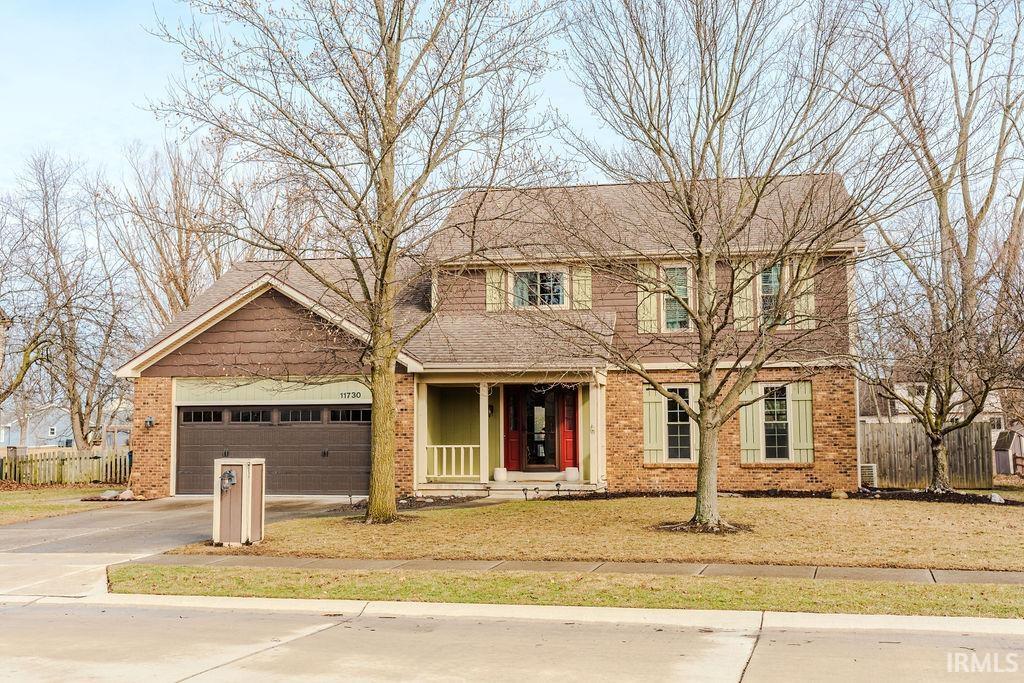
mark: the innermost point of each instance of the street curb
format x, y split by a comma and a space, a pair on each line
805, 621
719, 620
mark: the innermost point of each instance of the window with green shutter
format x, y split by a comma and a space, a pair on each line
654, 425
647, 298
676, 315
778, 423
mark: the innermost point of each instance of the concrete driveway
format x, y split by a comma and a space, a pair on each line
68, 556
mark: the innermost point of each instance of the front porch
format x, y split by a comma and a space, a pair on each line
508, 438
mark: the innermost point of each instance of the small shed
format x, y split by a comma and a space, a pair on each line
1009, 453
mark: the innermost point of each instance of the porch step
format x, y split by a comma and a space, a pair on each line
508, 490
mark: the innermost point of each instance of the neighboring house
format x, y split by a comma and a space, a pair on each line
50, 426
875, 407
47, 426
486, 401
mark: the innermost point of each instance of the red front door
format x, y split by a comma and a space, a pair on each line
515, 428
567, 441
560, 402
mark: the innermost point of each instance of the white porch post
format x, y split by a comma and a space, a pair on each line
485, 460
419, 459
595, 398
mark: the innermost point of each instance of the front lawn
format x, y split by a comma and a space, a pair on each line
604, 590
801, 531
52, 501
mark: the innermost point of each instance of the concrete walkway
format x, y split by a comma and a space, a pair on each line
663, 568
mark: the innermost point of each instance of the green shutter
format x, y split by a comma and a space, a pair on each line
495, 294
646, 299
803, 305
751, 425
694, 429
743, 297
801, 421
582, 284
654, 425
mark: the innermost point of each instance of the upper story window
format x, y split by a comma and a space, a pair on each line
678, 280
680, 442
538, 288
771, 288
776, 423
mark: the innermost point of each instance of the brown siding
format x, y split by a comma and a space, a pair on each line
270, 336
464, 291
835, 441
461, 291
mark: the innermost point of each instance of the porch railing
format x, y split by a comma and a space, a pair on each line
453, 461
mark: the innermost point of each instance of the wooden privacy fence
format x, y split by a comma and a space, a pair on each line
904, 458
65, 466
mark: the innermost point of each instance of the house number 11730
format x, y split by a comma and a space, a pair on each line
350, 394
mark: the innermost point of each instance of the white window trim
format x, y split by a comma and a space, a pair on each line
664, 400
662, 320
789, 423
51, 431
756, 285
510, 286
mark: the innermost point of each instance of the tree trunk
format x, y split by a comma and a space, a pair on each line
381, 507
706, 515
940, 466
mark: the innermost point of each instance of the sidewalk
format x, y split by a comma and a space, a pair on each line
663, 568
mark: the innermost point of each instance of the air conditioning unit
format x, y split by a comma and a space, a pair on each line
869, 475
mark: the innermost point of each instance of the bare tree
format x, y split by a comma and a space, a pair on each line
75, 276
25, 318
941, 304
731, 121
159, 223
375, 116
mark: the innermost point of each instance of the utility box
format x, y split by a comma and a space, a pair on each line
238, 495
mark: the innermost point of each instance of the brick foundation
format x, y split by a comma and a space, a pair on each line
835, 441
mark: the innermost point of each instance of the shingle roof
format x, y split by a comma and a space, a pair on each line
515, 342
523, 224
449, 339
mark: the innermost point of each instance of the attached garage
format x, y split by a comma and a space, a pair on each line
309, 449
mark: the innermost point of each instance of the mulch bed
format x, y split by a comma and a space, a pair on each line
7, 485
863, 494
930, 497
411, 503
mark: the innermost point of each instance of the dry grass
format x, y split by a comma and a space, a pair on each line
1009, 486
868, 533
604, 590
29, 504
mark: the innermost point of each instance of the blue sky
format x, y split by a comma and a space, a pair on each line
76, 75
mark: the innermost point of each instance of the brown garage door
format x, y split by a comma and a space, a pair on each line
308, 449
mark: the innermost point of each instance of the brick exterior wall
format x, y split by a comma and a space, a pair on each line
835, 441
405, 425
151, 446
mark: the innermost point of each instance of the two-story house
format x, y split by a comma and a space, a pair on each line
489, 398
